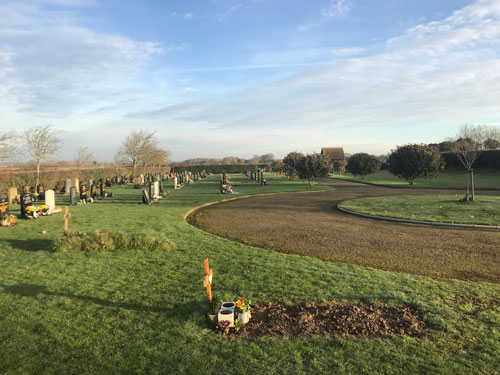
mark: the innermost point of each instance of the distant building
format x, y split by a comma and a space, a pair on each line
335, 153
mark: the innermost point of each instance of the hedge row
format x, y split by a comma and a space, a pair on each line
487, 159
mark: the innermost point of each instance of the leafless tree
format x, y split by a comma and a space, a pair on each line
42, 142
467, 145
83, 158
7, 147
136, 146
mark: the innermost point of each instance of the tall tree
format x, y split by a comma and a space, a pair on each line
136, 146
290, 163
415, 161
83, 157
42, 142
467, 145
363, 164
311, 167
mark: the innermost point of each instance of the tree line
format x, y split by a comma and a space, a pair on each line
407, 162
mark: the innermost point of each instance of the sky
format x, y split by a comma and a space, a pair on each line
216, 78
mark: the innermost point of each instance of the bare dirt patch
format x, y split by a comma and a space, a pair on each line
336, 319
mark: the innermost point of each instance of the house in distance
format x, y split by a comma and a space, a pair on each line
335, 153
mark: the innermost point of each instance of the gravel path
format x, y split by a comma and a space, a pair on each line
310, 224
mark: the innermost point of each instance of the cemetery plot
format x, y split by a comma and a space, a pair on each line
336, 319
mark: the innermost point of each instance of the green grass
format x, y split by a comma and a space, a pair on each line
437, 208
447, 179
134, 311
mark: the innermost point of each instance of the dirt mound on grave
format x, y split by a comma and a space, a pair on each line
336, 319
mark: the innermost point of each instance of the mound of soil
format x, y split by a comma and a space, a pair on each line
337, 319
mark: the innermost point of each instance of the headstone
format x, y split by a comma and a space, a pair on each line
93, 191
108, 182
91, 182
156, 189
76, 184
40, 189
26, 201
175, 182
151, 192
145, 197
50, 199
102, 187
261, 178
67, 187
83, 192
73, 199
162, 189
12, 194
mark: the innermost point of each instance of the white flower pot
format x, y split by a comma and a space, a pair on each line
226, 314
243, 318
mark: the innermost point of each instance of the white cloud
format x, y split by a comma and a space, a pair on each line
189, 16
336, 8
347, 51
55, 66
188, 90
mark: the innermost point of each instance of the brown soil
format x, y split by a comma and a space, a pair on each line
337, 319
310, 224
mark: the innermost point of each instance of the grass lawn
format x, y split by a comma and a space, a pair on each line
447, 179
440, 208
134, 311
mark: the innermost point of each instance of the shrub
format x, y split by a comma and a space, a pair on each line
363, 164
111, 241
415, 161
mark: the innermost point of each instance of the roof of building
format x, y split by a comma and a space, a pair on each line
335, 153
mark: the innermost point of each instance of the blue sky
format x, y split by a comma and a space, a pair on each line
220, 78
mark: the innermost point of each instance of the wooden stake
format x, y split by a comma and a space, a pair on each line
66, 221
207, 280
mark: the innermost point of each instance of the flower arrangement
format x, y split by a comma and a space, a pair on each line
223, 326
44, 208
242, 305
8, 220
237, 325
33, 212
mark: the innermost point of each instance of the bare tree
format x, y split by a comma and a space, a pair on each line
6, 145
136, 146
42, 142
118, 161
83, 158
468, 144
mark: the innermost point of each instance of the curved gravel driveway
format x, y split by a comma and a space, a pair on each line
310, 224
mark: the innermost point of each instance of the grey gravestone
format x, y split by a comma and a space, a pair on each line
73, 199
26, 201
145, 197
151, 192
67, 187
162, 189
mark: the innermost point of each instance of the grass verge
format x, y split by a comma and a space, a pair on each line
483, 210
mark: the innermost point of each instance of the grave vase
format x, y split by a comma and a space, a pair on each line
244, 318
3, 223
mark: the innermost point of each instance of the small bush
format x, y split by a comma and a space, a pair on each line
111, 241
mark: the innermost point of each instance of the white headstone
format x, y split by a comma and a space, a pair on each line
76, 183
156, 189
67, 187
12, 194
50, 199
175, 182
